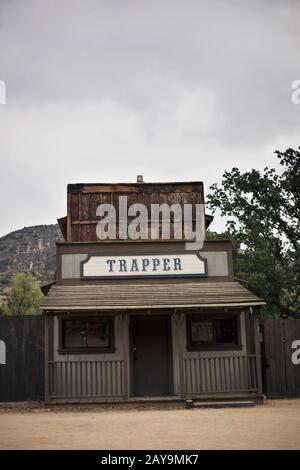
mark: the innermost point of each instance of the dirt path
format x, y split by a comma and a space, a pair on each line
276, 425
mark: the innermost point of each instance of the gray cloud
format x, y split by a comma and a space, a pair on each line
102, 91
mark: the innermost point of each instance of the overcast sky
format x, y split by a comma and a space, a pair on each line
100, 91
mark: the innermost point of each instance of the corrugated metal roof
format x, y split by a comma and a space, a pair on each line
149, 296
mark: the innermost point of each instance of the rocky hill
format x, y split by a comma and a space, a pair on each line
30, 250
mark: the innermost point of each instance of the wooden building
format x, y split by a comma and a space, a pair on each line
140, 330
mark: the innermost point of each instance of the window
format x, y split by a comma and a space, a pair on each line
84, 335
212, 332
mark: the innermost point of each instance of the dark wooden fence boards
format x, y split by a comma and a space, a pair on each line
282, 376
22, 377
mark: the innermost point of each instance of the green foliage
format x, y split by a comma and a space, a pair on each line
25, 296
264, 211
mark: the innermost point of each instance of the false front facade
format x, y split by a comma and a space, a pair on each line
132, 319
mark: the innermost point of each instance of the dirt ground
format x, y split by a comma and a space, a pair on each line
276, 425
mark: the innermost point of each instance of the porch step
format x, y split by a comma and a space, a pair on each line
219, 404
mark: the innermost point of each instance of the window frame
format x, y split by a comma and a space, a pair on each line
93, 350
213, 346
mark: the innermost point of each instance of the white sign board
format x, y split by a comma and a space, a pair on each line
145, 266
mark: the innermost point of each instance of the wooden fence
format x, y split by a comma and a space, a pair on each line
282, 376
22, 358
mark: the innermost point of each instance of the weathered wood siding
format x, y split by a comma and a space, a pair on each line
97, 375
83, 200
86, 379
217, 253
221, 374
22, 376
282, 375
108, 376
217, 264
204, 372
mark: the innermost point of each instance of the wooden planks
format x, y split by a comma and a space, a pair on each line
220, 374
22, 377
83, 200
86, 379
150, 295
282, 376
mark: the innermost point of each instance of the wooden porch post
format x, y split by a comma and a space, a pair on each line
257, 355
124, 321
46, 356
179, 322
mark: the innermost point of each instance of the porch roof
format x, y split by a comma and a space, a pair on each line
152, 295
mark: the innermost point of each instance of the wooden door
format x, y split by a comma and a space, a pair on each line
151, 355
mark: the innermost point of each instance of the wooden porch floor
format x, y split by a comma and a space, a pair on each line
159, 400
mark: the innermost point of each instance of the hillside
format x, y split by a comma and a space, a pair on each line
30, 250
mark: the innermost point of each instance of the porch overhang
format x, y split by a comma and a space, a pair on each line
145, 296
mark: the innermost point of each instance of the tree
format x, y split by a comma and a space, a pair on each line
25, 296
264, 212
